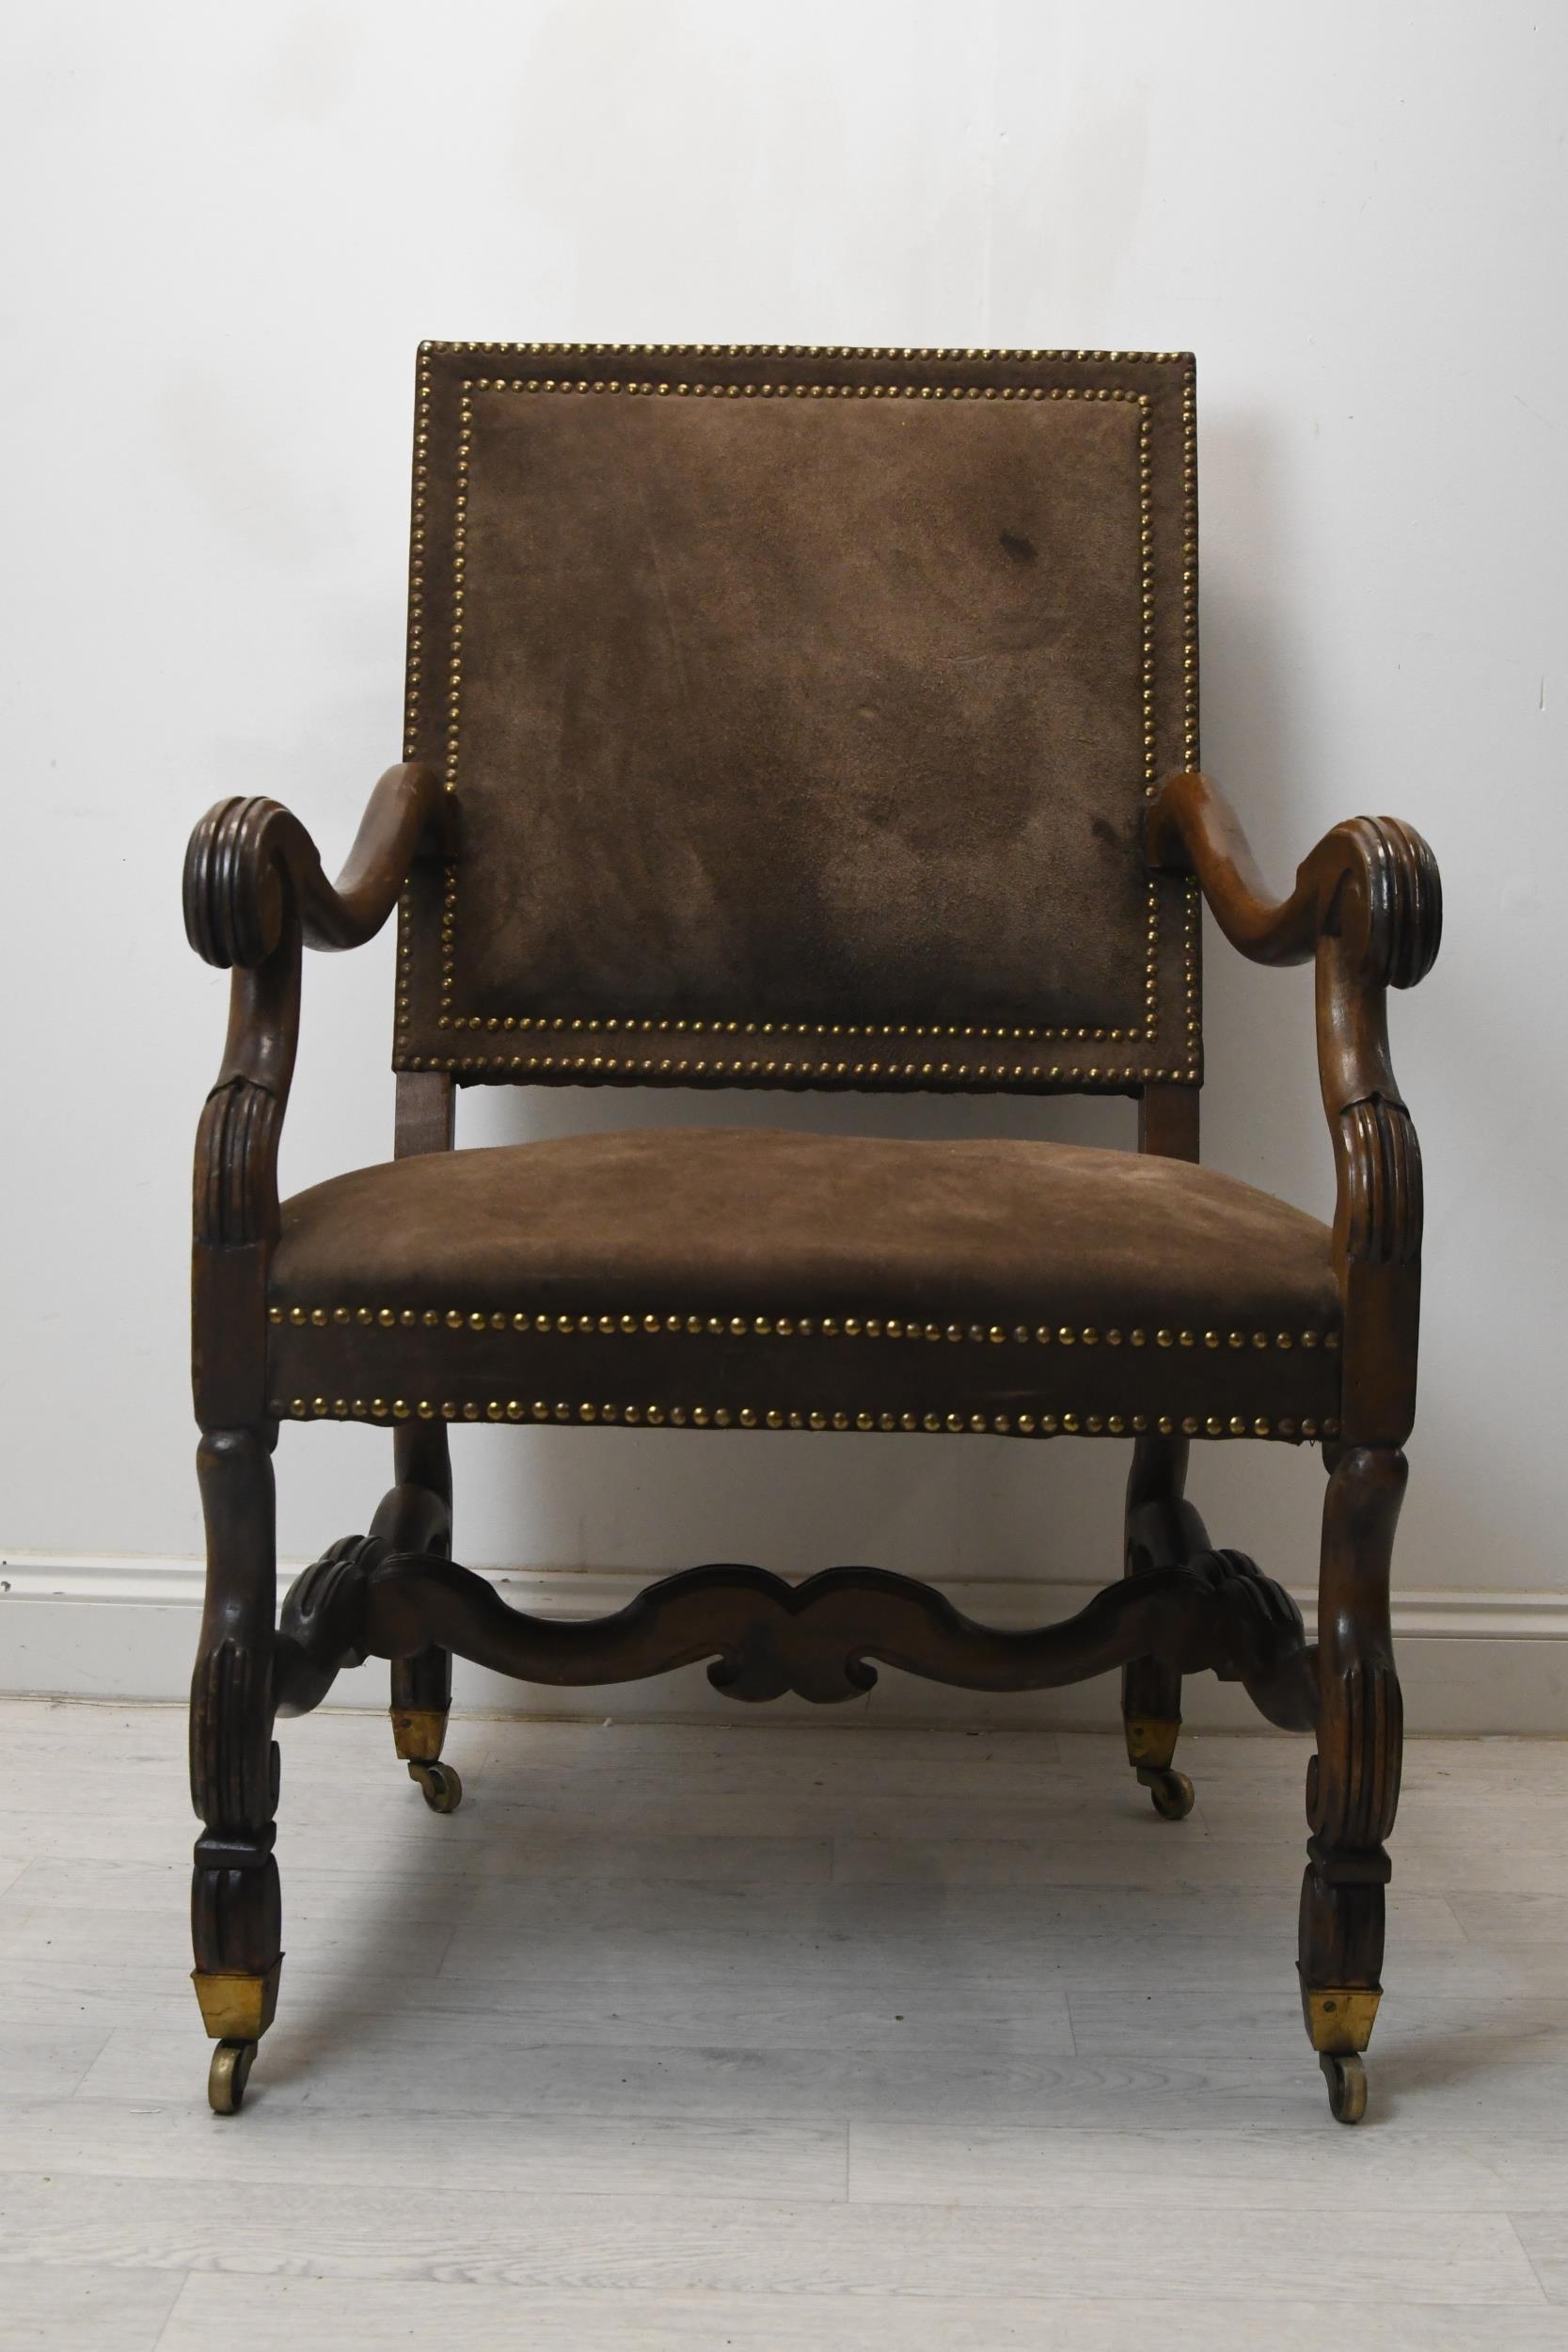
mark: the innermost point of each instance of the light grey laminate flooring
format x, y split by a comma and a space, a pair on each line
774, 2037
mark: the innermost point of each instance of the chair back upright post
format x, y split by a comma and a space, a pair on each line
417, 1511
1168, 1121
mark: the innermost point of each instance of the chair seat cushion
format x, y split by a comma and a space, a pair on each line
734, 1277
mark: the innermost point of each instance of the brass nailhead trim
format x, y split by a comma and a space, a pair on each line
413, 674
626, 1323
770, 1070
955, 353
1081, 1081
866, 1069
632, 1025
720, 1417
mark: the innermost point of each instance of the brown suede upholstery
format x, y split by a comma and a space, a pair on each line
801, 711
743, 1277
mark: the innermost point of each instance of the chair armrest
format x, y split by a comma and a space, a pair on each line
250, 863
1372, 881
1367, 910
255, 896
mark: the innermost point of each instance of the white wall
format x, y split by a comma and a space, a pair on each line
229, 227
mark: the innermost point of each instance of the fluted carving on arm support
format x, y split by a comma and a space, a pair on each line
1367, 908
236, 1164
1381, 1183
255, 896
1381, 923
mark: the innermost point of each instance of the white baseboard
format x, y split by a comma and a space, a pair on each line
125, 1629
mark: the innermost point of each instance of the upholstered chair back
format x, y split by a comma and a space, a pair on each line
800, 711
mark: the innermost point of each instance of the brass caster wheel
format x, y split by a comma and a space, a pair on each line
1346, 2078
441, 1788
228, 2076
1172, 1791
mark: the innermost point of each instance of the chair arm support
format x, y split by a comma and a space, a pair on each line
255, 896
1367, 910
250, 863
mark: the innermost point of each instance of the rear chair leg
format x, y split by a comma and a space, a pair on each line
422, 1697
1353, 1783
236, 1919
416, 1516
1161, 1529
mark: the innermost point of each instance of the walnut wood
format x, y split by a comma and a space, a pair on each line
255, 895
1352, 1782
1160, 1530
251, 869
764, 1636
425, 1118
235, 1916
416, 1516
1168, 1121
1367, 907
1150, 1690
421, 1685
1372, 881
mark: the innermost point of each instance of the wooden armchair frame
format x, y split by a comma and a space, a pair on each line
1366, 909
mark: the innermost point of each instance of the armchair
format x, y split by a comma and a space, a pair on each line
801, 719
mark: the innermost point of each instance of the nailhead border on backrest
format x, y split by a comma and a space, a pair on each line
434, 1032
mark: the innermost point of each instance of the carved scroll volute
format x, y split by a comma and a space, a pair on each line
236, 887
1385, 901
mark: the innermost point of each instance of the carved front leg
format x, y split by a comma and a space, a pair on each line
235, 1908
1353, 1783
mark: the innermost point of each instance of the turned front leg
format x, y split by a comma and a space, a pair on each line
236, 1918
1353, 1783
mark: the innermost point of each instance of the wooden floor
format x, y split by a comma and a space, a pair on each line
774, 2037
